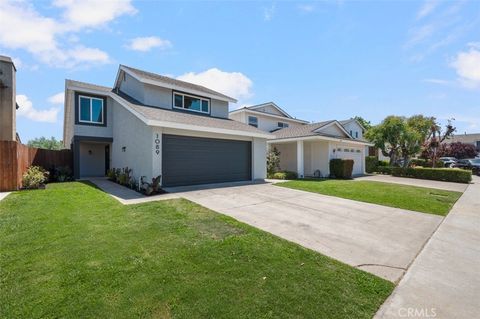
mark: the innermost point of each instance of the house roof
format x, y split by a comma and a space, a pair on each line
254, 107
309, 130
465, 138
87, 86
159, 115
165, 81
344, 122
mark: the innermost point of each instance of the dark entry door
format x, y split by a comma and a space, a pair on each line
188, 160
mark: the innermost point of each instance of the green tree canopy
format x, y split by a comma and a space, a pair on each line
366, 124
43, 142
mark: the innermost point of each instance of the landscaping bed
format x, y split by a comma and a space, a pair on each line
426, 200
72, 249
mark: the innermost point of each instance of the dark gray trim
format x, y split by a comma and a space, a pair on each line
104, 98
76, 149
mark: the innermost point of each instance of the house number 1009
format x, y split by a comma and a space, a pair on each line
157, 144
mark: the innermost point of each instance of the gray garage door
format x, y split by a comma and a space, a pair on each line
188, 160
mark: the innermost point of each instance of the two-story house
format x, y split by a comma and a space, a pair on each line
158, 125
307, 148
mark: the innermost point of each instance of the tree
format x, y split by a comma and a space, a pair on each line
416, 131
436, 137
386, 136
400, 137
366, 124
273, 161
457, 149
43, 142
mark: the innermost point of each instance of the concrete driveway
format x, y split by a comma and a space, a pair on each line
377, 239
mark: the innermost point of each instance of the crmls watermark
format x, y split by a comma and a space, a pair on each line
417, 312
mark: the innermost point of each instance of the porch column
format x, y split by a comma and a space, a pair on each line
300, 162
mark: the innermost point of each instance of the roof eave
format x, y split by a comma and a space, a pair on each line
176, 87
268, 114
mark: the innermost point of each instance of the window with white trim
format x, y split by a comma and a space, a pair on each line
191, 103
282, 125
356, 134
90, 110
253, 121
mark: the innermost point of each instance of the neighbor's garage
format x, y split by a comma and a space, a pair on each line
188, 160
355, 154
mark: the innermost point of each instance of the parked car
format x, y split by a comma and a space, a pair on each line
472, 163
448, 161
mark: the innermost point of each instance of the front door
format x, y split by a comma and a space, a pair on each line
107, 158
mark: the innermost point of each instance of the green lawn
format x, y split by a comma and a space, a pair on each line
72, 251
425, 200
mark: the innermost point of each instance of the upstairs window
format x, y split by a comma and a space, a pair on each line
282, 125
90, 110
253, 121
356, 134
191, 103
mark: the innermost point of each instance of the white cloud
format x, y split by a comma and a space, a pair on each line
269, 12
58, 98
436, 81
307, 8
47, 39
27, 110
467, 66
427, 8
93, 13
234, 84
145, 44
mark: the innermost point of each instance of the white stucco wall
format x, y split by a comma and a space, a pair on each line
137, 138
265, 122
316, 158
288, 156
354, 128
259, 158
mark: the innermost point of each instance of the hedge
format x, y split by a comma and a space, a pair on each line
424, 163
285, 175
340, 168
384, 170
437, 174
371, 163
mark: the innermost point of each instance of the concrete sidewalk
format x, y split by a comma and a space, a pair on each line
444, 281
3, 195
456, 187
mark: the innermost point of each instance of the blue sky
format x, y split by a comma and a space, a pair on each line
317, 60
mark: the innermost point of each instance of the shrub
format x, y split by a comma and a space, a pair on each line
437, 174
62, 174
340, 168
383, 163
371, 164
424, 163
34, 177
273, 161
384, 170
285, 175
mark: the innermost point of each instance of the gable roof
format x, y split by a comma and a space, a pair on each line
171, 83
345, 122
155, 116
278, 108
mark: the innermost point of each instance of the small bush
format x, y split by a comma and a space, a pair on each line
285, 175
340, 168
384, 170
424, 163
383, 163
437, 174
62, 174
371, 163
34, 177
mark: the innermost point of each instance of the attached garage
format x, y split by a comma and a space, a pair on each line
188, 160
355, 154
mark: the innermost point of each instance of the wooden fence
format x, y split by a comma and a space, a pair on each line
15, 158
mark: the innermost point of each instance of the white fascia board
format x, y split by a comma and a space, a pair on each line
317, 137
178, 88
188, 127
270, 115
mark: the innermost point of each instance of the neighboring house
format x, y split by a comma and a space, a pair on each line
466, 138
157, 125
8, 105
306, 148
268, 117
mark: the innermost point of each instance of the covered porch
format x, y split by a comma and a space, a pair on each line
310, 156
91, 156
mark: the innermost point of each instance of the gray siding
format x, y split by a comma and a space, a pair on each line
158, 96
133, 88
219, 108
